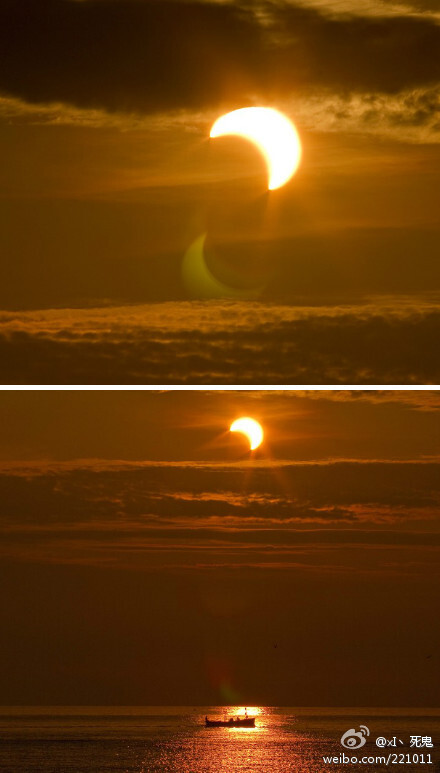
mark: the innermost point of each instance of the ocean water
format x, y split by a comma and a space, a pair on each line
175, 740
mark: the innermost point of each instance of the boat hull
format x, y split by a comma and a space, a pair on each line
232, 722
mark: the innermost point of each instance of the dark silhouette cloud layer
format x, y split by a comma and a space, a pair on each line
222, 343
153, 56
100, 513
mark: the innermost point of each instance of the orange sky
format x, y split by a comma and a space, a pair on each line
139, 535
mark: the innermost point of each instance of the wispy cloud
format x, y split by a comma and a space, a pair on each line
412, 115
422, 400
373, 8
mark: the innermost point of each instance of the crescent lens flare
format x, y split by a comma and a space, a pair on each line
274, 135
251, 428
201, 283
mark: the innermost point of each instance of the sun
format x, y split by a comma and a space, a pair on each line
251, 428
272, 132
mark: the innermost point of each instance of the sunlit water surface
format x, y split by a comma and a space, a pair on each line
174, 740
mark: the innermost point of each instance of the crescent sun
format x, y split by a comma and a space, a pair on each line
272, 132
251, 428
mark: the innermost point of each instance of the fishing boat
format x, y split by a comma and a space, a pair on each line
231, 722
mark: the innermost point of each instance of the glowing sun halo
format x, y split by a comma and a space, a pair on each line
251, 428
273, 134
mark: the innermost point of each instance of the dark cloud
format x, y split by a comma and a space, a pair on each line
153, 56
127, 55
222, 343
273, 492
157, 514
355, 53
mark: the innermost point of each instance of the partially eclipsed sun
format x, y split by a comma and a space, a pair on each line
273, 134
251, 428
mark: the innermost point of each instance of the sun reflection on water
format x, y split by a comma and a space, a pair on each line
251, 711
175, 739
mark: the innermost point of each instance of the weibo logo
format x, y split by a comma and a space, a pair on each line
353, 739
